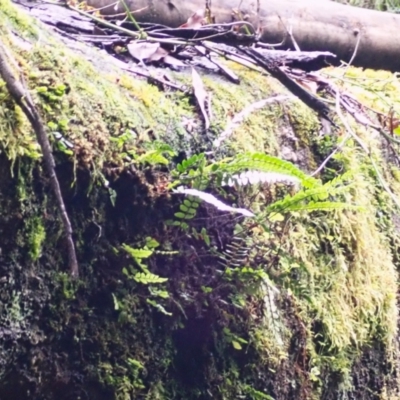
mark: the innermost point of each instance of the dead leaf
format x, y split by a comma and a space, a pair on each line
158, 55
196, 21
142, 50
145, 51
201, 95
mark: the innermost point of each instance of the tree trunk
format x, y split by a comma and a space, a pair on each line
316, 25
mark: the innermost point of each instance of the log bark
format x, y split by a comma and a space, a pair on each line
316, 25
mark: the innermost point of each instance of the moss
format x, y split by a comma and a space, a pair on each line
36, 237
332, 278
10, 17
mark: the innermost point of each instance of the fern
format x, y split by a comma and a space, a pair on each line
236, 253
210, 199
152, 157
157, 153
158, 306
272, 317
262, 163
187, 211
316, 196
258, 177
256, 394
323, 206
191, 164
148, 278
137, 254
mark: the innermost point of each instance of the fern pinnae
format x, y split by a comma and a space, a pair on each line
271, 311
323, 206
236, 253
319, 193
264, 163
259, 177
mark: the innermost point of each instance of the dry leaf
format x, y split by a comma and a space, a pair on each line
142, 50
145, 51
196, 21
158, 55
209, 198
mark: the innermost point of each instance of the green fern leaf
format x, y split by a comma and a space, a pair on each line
263, 163
323, 206
297, 201
137, 254
148, 278
152, 157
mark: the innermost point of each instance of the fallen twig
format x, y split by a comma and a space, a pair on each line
22, 97
273, 68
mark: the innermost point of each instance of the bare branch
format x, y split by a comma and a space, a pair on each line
22, 97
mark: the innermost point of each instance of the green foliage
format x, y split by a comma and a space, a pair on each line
260, 162
148, 278
190, 165
36, 237
314, 198
235, 340
187, 211
68, 285
201, 175
256, 394
145, 277
139, 254
158, 307
158, 153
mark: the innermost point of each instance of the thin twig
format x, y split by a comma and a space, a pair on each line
339, 147
289, 31
354, 52
22, 97
130, 16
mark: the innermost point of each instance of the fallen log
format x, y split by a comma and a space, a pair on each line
366, 38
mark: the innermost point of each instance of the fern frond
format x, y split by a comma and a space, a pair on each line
320, 193
152, 157
209, 198
272, 317
236, 253
322, 206
147, 278
156, 153
195, 161
137, 254
258, 177
263, 163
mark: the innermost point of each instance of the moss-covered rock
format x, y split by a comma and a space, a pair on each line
322, 323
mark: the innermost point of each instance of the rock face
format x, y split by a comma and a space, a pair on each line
220, 309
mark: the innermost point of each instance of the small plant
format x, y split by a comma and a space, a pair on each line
145, 277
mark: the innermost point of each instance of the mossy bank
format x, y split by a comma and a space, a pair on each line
196, 331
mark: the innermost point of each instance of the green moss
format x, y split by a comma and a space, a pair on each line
36, 237
333, 276
10, 17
